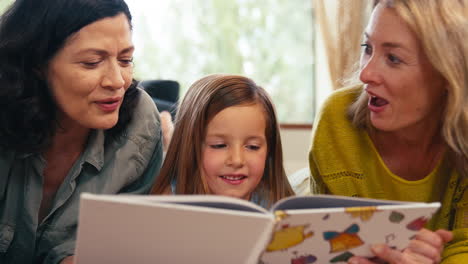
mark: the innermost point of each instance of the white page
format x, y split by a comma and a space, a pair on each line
118, 231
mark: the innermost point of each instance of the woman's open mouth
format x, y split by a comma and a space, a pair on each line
377, 101
377, 104
108, 105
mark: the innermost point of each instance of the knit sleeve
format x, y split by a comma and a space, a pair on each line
457, 251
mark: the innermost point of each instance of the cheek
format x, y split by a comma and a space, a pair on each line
72, 95
73, 83
258, 162
210, 163
128, 77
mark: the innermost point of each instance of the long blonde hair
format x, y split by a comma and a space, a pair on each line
203, 100
442, 29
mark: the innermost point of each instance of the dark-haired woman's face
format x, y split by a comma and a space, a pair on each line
89, 76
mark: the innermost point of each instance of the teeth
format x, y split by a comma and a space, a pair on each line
232, 178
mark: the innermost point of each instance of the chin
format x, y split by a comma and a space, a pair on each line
239, 196
229, 194
380, 124
385, 126
109, 126
106, 123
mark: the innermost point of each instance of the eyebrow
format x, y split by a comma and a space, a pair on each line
226, 136
389, 44
104, 52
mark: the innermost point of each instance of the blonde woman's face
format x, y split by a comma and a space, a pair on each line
404, 90
235, 150
88, 77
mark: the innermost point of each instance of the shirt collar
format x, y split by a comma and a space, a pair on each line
94, 153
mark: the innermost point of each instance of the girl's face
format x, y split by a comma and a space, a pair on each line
404, 89
234, 151
88, 77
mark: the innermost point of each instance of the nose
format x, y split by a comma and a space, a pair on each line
236, 157
113, 76
370, 72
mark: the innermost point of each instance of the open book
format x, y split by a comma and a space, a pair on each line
217, 229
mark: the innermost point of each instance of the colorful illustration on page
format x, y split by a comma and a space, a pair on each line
280, 215
417, 224
288, 236
304, 259
396, 217
364, 213
342, 257
345, 240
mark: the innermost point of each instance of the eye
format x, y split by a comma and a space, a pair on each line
90, 64
217, 146
367, 48
253, 147
393, 59
126, 62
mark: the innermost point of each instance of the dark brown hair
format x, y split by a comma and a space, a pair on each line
28, 115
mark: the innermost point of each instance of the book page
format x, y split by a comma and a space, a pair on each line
333, 235
328, 201
210, 201
125, 229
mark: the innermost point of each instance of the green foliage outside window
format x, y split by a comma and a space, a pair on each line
4, 4
270, 41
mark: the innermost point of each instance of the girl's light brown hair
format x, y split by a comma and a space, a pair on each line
204, 99
442, 28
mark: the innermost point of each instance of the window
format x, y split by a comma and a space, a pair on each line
270, 41
4, 4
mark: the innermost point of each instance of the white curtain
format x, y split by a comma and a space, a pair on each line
342, 24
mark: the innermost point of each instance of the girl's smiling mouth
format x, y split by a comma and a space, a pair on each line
234, 179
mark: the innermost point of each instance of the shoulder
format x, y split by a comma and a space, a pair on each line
336, 142
333, 114
145, 124
142, 135
145, 108
336, 105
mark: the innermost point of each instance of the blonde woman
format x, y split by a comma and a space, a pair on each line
403, 133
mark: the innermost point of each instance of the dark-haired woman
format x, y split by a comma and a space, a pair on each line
72, 121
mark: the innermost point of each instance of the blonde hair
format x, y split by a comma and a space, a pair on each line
204, 99
442, 29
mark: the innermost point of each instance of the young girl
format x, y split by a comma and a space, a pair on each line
226, 141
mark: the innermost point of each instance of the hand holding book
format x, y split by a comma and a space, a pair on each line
417, 251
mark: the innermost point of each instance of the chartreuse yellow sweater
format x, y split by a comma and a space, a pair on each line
344, 161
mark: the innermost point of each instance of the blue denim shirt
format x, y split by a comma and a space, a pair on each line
128, 164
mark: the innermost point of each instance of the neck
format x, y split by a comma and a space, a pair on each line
421, 136
410, 153
68, 140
